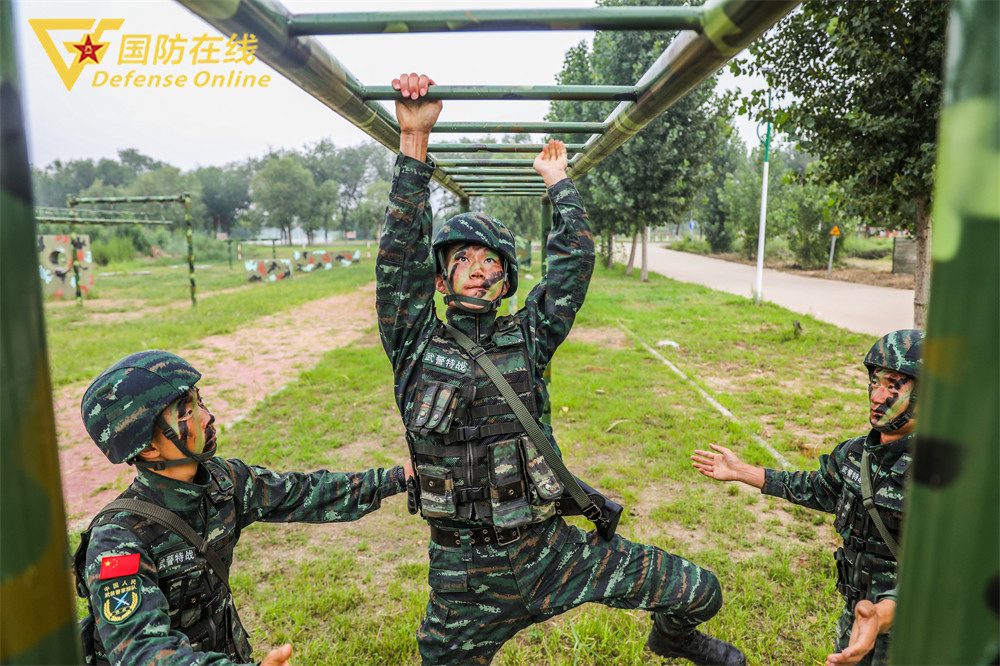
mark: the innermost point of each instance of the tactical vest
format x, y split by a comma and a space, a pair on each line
200, 604
865, 565
473, 459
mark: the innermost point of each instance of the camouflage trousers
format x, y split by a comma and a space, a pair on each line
879, 654
482, 595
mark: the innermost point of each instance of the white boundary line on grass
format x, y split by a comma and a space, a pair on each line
712, 401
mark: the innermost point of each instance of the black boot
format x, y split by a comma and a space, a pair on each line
699, 648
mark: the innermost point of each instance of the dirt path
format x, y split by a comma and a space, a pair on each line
240, 369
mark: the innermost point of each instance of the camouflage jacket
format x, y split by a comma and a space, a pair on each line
836, 488
164, 576
405, 289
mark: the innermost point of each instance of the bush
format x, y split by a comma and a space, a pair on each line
695, 245
114, 249
867, 248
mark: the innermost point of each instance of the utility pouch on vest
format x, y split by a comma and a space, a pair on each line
436, 409
507, 492
844, 513
544, 482
437, 491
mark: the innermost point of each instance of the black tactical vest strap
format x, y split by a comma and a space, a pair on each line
173, 522
569, 482
867, 499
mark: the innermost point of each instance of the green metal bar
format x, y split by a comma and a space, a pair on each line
496, 147
602, 18
305, 62
949, 578
518, 128
484, 163
729, 27
456, 172
37, 623
499, 180
45, 219
506, 192
112, 216
75, 201
570, 93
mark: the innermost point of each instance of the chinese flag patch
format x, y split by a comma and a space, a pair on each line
121, 565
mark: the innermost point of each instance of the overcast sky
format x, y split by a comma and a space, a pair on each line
201, 126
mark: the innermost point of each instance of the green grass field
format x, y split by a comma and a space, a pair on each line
355, 593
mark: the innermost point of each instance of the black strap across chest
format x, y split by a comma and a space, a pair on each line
172, 522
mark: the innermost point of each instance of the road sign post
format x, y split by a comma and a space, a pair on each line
833, 243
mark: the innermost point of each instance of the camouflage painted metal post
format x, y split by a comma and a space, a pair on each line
186, 198
37, 623
950, 555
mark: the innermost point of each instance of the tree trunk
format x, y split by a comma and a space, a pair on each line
922, 277
610, 236
631, 255
644, 275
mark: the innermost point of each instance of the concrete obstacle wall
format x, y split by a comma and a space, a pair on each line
307, 262
268, 270
57, 255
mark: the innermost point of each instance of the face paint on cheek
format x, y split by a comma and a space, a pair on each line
895, 400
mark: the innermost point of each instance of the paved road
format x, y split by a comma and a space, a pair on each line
856, 307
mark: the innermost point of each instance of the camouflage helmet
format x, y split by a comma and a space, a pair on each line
478, 229
121, 406
899, 351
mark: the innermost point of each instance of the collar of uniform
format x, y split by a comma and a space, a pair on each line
476, 326
171, 493
887, 454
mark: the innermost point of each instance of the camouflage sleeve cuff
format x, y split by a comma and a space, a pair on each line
771, 484
888, 594
565, 183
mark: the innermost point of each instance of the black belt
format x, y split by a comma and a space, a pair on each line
479, 536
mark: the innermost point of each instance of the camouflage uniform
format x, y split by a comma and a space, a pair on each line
866, 568
164, 604
481, 595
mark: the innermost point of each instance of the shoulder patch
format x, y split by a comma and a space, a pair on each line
119, 599
120, 565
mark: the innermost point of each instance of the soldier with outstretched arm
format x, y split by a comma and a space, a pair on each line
862, 482
154, 564
501, 559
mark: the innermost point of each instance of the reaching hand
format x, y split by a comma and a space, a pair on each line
721, 466
415, 115
278, 656
551, 163
869, 621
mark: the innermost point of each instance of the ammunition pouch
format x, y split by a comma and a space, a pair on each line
437, 407
437, 492
508, 492
603, 512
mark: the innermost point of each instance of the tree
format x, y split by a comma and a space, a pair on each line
859, 83
718, 229
655, 176
225, 194
284, 191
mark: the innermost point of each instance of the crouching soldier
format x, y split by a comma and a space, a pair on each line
862, 482
154, 564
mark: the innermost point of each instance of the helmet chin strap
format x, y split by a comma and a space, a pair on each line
171, 434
